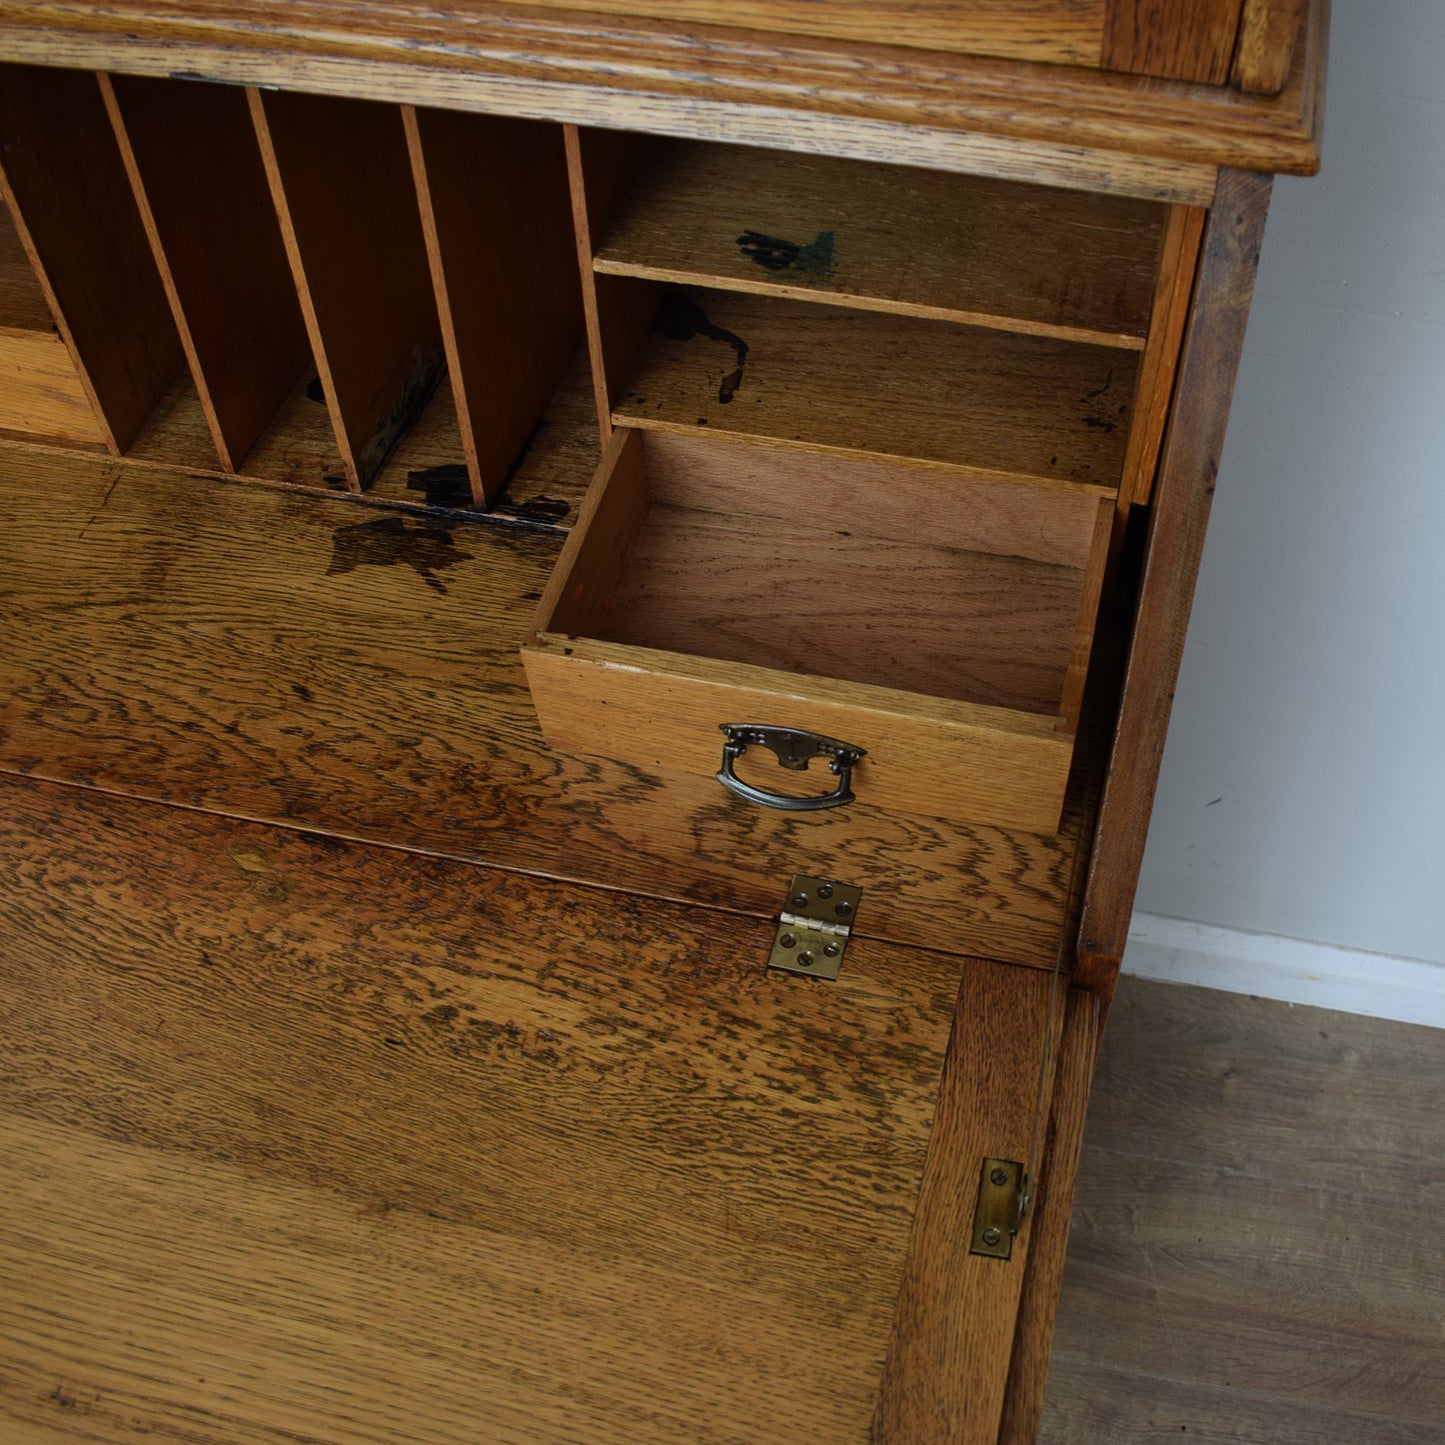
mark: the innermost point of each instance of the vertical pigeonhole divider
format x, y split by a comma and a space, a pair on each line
601, 167
341, 181
66, 186
191, 153
496, 215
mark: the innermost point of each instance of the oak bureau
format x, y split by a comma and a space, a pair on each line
730, 478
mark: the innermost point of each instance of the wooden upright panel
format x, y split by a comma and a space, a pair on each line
947, 1366
62, 175
192, 156
498, 224
342, 183
601, 167
1180, 514
1175, 39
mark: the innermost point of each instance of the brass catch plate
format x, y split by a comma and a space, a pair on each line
814, 927
996, 1219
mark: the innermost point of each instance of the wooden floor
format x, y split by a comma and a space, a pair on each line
1257, 1252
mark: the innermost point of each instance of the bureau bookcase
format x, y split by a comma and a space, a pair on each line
797, 436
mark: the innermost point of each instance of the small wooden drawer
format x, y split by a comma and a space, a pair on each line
938, 620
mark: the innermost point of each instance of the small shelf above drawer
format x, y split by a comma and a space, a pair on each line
1018, 257
899, 386
938, 622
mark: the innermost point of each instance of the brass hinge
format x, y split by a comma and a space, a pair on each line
1002, 1202
814, 927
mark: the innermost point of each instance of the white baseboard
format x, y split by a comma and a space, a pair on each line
1291, 969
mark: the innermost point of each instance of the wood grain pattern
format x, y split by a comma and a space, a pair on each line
1268, 33
191, 155
497, 219
221, 663
900, 500
1168, 316
1180, 514
662, 711
947, 1368
62, 178
1052, 1210
1175, 39
1253, 1255
22, 303
315, 1137
336, 168
1060, 32
910, 615
41, 393
601, 165
922, 243
1070, 125
884, 385
299, 449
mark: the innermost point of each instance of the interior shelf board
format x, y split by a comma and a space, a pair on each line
1018, 257
1023, 407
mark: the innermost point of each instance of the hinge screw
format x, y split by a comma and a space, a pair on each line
800, 900
999, 1177
788, 940
843, 909
806, 958
991, 1236
831, 950
825, 890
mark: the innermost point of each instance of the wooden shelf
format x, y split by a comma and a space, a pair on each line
891, 238
825, 377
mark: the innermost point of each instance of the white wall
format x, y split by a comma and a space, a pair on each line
1303, 787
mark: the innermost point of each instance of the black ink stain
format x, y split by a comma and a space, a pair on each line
1099, 391
813, 261
537, 509
445, 486
426, 548
680, 318
1099, 423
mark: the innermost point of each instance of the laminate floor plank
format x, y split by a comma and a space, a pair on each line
279, 656
309, 1140
1256, 1252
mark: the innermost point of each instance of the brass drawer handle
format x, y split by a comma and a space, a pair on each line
795, 751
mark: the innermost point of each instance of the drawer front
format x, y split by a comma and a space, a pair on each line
922, 756
40, 392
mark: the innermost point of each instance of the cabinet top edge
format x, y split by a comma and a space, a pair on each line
1139, 135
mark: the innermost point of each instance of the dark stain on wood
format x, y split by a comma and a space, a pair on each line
426, 548
680, 318
315, 391
814, 262
537, 509
445, 486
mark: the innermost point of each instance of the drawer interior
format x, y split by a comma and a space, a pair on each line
938, 620
909, 578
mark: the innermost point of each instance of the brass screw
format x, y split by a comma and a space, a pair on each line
991, 1236
999, 1177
